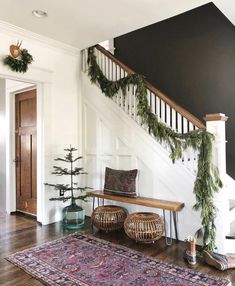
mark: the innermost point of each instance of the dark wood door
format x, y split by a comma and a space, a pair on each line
26, 151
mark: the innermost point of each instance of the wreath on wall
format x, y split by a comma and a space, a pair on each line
19, 59
207, 180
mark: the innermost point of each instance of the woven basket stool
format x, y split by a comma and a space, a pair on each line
109, 218
144, 227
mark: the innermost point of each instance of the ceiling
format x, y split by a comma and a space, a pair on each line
81, 23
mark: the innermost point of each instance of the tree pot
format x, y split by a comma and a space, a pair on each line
73, 216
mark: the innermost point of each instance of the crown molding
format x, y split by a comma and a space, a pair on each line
16, 31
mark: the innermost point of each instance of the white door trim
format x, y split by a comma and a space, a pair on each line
35, 77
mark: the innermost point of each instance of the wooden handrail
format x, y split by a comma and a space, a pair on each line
194, 120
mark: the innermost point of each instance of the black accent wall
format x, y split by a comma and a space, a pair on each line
191, 58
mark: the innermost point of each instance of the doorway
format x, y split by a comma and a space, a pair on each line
26, 151
13, 87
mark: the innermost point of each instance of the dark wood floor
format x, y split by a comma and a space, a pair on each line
19, 232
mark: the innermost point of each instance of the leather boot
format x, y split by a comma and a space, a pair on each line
219, 261
190, 252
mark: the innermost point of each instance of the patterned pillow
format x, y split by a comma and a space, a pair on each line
120, 182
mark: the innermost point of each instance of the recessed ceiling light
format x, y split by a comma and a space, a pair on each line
39, 13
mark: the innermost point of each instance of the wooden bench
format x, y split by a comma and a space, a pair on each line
171, 206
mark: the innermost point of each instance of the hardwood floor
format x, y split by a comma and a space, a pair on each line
19, 232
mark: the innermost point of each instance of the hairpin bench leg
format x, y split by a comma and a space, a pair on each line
93, 207
175, 225
168, 241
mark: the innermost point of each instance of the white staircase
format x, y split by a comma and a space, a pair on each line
114, 137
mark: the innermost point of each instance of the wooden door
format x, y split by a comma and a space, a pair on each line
26, 151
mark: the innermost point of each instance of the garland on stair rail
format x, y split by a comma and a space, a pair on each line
207, 179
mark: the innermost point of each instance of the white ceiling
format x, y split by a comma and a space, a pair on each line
81, 23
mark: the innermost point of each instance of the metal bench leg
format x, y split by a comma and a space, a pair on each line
168, 241
93, 207
175, 225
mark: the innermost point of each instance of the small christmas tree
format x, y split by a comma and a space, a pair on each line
72, 217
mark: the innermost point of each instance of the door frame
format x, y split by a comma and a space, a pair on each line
43, 88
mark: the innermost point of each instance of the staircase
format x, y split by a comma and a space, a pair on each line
118, 137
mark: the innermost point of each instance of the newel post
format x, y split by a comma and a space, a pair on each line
215, 124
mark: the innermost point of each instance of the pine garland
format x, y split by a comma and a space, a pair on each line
207, 179
19, 65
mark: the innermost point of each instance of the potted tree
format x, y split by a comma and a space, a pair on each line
73, 214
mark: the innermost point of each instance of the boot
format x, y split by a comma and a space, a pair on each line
219, 261
190, 252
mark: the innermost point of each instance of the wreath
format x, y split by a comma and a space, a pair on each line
19, 59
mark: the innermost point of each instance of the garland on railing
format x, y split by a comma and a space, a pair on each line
207, 180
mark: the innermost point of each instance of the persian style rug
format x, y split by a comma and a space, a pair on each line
81, 260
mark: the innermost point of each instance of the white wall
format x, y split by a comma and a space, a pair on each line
112, 139
2, 146
55, 70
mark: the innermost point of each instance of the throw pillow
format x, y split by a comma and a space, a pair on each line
120, 182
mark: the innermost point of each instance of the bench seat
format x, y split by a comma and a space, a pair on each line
141, 201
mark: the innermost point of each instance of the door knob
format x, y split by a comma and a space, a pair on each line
17, 161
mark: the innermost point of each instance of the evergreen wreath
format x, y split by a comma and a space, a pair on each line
207, 180
21, 64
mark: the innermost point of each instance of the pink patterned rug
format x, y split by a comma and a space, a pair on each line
83, 260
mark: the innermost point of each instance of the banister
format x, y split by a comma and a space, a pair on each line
194, 120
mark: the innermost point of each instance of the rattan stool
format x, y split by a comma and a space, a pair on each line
144, 226
109, 217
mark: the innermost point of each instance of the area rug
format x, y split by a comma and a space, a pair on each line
82, 260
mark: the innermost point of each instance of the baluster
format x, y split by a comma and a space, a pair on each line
101, 61
130, 101
163, 104
116, 76
114, 72
107, 73
168, 115
173, 119
98, 54
179, 123
134, 111
111, 69
126, 99
85, 60
120, 95
98, 57
185, 125
117, 72
150, 103
149, 98
103, 64
191, 127
157, 104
